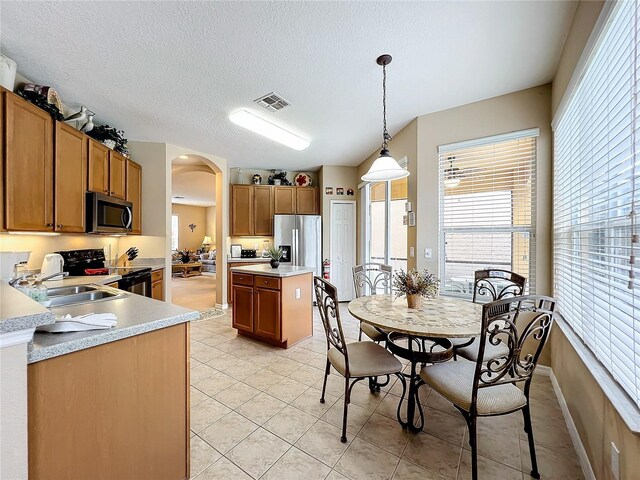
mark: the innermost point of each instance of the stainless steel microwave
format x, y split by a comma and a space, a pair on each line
108, 214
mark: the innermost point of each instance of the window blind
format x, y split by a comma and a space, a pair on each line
487, 209
596, 184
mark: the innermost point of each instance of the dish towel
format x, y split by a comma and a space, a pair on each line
90, 321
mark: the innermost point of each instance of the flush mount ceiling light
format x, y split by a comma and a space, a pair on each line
183, 157
385, 168
267, 129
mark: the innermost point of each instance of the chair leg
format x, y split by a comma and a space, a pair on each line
473, 442
359, 334
324, 385
343, 439
526, 413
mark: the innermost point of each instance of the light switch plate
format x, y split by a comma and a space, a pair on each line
297, 293
428, 253
412, 252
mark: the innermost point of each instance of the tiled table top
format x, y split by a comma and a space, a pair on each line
438, 317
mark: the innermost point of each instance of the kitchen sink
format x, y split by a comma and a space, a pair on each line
60, 291
65, 296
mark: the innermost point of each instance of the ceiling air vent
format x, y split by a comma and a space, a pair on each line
272, 102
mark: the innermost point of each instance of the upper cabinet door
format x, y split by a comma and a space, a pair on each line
98, 168
117, 175
284, 200
70, 179
307, 201
134, 194
28, 166
2, 130
263, 211
241, 210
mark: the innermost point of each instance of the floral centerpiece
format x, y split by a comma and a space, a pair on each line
185, 255
415, 285
275, 254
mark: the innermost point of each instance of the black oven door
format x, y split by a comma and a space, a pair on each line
108, 215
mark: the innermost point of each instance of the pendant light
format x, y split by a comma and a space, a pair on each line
385, 167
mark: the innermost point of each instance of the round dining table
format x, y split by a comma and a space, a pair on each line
419, 335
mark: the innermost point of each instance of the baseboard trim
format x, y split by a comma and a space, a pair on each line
543, 370
223, 306
583, 458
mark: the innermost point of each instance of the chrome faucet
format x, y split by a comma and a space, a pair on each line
48, 277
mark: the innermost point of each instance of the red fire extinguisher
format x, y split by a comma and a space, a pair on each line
326, 266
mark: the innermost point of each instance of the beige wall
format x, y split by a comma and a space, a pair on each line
334, 176
210, 214
597, 420
404, 144
189, 214
507, 113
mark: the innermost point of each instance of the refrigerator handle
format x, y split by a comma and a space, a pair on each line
295, 247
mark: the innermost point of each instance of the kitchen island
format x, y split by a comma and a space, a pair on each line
112, 403
273, 304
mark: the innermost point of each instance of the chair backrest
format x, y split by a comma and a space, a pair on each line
327, 301
497, 284
522, 324
372, 278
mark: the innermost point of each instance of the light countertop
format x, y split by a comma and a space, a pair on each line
82, 280
136, 315
19, 312
256, 260
282, 271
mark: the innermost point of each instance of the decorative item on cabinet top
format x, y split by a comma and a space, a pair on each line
302, 180
256, 179
43, 97
279, 178
111, 137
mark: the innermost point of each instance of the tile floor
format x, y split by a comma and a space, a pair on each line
255, 413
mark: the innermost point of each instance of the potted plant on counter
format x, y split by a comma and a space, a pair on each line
415, 285
275, 254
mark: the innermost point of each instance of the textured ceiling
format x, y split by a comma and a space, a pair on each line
173, 71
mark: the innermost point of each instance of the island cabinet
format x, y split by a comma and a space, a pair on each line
277, 310
119, 410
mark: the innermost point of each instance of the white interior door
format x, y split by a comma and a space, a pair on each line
343, 247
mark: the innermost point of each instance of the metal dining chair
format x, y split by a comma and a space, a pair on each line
487, 387
354, 361
489, 285
371, 279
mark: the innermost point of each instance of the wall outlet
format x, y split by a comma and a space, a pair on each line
412, 252
615, 461
428, 253
297, 293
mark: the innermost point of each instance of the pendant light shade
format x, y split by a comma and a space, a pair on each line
385, 168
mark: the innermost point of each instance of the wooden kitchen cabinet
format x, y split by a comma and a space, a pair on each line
157, 284
284, 200
276, 310
98, 168
262, 211
28, 164
117, 175
70, 179
230, 279
2, 143
241, 210
307, 202
115, 411
134, 194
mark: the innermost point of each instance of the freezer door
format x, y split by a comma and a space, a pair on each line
309, 241
283, 235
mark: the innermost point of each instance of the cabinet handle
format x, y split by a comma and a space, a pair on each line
60, 225
106, 191
266, 282
49, 224
113, 193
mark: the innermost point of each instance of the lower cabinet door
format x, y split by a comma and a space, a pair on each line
266, 313
243, 308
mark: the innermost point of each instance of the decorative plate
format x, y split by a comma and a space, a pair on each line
302, 180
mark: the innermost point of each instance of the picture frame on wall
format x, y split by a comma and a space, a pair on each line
339, 191
328, 190
350, 192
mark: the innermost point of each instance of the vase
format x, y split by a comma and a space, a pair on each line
185, 259
414, 301
274, 263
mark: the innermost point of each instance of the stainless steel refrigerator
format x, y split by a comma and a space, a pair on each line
300, 237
